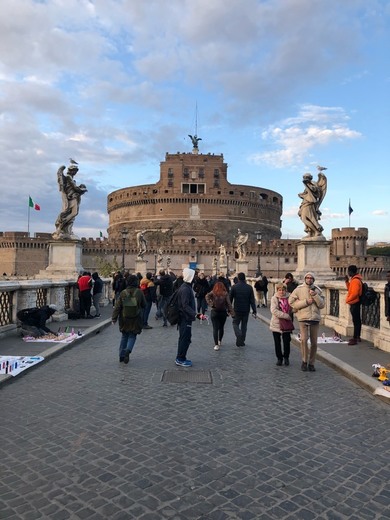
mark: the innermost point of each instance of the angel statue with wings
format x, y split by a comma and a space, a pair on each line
312, 197
71, 197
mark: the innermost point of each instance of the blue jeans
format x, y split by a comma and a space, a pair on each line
161, 308
127, 343
185, 334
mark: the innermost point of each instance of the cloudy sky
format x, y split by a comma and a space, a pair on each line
280, 87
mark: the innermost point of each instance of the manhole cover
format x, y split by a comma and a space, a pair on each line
187, 376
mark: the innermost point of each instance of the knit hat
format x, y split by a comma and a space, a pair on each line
188, 274
52, 306
310, 274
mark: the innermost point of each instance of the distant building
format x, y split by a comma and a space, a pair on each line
188, 214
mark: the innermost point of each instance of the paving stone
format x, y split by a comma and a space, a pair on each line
96, 439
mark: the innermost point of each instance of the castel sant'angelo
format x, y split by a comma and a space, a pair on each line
192, 210
185, 218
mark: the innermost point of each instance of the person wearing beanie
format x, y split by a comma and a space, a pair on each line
187, 312
243, 300
306, 301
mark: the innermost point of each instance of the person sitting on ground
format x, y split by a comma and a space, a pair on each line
34, 319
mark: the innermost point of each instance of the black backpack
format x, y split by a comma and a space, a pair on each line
368, 296
172, 309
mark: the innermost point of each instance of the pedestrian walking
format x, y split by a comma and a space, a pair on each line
164, 283
306, 301
201, 288
281, 324
187, 314
97, 291
129, 313
354, 283
219, 302
149, 291
243, 300
387, 296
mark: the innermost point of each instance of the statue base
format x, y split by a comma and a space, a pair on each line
141, 266
223, 269
314, 256
64, 260
242, 266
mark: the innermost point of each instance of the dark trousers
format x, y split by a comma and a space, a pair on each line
278, 338
356, 319
185, 333
240, 325
218, 319
85, 303
147, 312
201, 304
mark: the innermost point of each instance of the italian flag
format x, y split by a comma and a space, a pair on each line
31, 204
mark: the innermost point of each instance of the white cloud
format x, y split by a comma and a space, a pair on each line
380, 212
296, 138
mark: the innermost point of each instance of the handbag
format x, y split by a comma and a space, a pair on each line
286, 325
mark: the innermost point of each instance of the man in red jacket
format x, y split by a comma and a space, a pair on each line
354, 283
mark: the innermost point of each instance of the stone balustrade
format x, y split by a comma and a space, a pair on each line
336, 314
21, 294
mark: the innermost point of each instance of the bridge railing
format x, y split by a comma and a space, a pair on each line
337, 316
21, 294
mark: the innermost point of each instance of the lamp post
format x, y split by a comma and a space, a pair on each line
155, 263
258, 238
125, 232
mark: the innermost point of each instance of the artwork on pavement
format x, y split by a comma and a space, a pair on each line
13, 365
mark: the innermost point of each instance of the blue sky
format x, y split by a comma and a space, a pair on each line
280, 87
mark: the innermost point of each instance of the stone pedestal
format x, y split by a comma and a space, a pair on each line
141, 266
242, 266
223, 269
64, 260
314, 256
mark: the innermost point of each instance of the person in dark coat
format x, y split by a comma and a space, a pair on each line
33, 320
243, 300
201, 288
97, 291
129, 327
165, 285
186, 305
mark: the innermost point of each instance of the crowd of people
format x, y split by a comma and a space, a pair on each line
135, 295
198, 294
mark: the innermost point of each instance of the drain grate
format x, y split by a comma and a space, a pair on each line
187, 376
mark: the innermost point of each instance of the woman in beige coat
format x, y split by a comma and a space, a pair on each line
306, 301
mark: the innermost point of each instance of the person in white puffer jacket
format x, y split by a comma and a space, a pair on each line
306, 301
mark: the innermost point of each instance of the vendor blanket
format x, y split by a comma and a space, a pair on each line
13, 365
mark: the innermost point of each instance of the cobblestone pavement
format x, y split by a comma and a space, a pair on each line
84, 437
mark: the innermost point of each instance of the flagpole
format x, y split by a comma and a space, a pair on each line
28, 221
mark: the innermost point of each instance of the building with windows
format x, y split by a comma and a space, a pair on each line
194, 196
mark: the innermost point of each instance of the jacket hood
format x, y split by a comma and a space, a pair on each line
188, 274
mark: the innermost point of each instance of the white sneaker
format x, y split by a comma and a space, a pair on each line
216, 347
